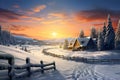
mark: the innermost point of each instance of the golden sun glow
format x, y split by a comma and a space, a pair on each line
54, 34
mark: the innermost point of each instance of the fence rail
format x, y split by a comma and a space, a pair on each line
25, 69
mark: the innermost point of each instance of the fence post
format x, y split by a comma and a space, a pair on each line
11, 73
11, 61
28, 66
42, 67
54, 65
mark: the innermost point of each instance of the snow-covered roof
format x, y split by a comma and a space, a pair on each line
71, 42
83, 41
94, 40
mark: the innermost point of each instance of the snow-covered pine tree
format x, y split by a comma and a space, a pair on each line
100, 41
110, 36
104, 31
117, 37
93, 33
0, 35
81, 35
65, 46
0, 29
6, 37
9, 37
13, 40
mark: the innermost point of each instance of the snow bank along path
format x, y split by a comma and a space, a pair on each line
66, 70
81, 56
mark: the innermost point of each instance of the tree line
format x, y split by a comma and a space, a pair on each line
6, 38
107, 38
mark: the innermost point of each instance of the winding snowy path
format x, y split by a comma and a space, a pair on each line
71, 70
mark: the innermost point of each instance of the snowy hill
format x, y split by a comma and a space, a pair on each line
26, 40
57, 41
113, 54
66, 70
22, 37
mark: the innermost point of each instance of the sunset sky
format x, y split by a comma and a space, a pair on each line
51, 19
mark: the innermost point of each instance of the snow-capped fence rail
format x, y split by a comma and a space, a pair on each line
15, 71
8, 57
80, 59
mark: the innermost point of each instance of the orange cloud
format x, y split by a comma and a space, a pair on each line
56, 18
51, 21
64, 25
29, 12
7, 15
97, 17
36, 18
10, 16
96, 14
58, 15
33, 10
31, 32
39, 8
18, 27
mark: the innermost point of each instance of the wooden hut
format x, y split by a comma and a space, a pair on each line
85, 43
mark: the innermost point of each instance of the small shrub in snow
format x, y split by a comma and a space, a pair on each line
65, 46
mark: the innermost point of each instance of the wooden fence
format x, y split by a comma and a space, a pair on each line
8, 57
25, 69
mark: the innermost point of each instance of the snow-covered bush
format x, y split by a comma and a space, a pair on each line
65, 46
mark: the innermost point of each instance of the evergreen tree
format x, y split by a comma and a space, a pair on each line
0, 30
6, 37
13, 40
81, 34
104, 31
117, 37
93, 33
0, 35
100, 41
110, 36
65, 44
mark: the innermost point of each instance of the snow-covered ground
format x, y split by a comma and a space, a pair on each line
87, 54
66, 70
